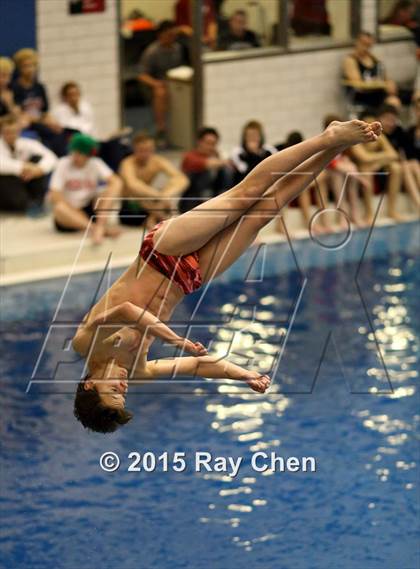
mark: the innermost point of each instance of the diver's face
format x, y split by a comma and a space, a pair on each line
112, 386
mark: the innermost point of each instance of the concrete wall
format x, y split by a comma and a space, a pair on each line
83, 48
290, 92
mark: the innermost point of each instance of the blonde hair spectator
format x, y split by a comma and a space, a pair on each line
6, 65
23, 55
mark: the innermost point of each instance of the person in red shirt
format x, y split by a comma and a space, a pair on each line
208, 172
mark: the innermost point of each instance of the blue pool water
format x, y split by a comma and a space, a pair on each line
355, 412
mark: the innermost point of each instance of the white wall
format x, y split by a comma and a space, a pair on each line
82, 48
368, 16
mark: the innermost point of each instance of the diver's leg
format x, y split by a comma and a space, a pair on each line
192, 230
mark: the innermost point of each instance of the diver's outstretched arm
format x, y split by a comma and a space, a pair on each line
207, 366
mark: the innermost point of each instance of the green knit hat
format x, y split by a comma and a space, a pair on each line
84, 144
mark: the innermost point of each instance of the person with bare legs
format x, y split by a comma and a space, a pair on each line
74, 190
409, 158
176, 258
379, 156
318, 189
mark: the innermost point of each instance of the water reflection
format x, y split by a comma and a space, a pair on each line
248, 422
54, 496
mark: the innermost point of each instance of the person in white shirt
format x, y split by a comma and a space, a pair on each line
73, 112
24, 166
75, 189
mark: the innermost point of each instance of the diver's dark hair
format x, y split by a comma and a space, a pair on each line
93, 414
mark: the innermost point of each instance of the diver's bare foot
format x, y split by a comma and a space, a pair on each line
351, 132
256, 381
376, 127
113, 231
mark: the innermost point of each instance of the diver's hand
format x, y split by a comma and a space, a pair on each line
193, 348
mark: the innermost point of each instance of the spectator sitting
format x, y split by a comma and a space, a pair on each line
74, 190
209, 174
318, 189
7, 102
138, 173
24, 166
400, 140
364, 75
162, 55
75, 114
31, 96
381, 157
238, 36
252, 150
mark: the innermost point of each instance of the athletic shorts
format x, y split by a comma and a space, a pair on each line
183, 270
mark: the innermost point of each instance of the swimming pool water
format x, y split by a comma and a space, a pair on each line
358, 416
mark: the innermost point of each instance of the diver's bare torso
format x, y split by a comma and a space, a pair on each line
148, 290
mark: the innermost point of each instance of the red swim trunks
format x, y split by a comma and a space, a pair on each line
184, 270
